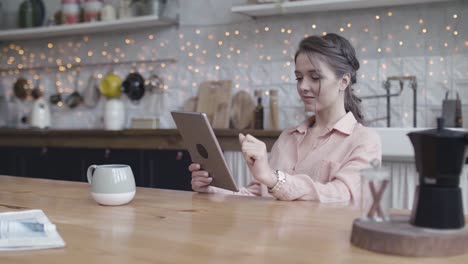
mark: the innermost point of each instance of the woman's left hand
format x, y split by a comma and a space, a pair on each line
256, 156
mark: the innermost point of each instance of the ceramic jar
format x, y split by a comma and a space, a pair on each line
70, 11
114, 114
92, 10
40, 115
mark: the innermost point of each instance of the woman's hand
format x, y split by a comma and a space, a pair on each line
200, 178
256, 156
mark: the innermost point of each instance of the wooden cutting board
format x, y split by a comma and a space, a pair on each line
242, 110
214, 99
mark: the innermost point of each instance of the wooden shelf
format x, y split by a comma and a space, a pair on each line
309, 6
91, 64
84, 28
124, 139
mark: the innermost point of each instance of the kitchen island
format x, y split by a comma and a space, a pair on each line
153, 154
166, 226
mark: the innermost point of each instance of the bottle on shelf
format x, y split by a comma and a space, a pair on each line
258, 112
273, 113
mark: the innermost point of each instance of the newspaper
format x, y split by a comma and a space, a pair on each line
28, 230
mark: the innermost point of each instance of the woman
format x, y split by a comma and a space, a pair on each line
320, 159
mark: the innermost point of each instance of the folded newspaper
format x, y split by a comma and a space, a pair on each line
27, 230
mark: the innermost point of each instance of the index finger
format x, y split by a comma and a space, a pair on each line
252, 139
241, 138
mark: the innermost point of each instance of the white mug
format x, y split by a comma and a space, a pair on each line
112, 184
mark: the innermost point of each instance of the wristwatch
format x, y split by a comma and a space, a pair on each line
281, 177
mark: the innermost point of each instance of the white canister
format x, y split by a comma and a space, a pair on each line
114, 114
40, 115
108, 13
92, 10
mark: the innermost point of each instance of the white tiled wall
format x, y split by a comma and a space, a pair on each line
260, 57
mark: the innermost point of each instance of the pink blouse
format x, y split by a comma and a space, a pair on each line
329, 172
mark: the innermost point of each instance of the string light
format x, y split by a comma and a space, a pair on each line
78, 55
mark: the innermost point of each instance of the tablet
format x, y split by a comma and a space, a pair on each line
200, 141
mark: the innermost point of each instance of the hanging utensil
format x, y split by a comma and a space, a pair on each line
22, 88
110, 86
36, 92
134, 86
154, 83
91, 94
56, 99
75, 98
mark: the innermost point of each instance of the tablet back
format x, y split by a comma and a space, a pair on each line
200, 140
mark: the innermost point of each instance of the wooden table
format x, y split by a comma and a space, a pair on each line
162, 226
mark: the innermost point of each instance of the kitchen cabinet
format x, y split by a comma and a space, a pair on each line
7, 161
165, 169
171, 168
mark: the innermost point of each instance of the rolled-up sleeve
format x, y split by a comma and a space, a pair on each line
344, 184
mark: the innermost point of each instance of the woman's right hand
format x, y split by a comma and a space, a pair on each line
200, 178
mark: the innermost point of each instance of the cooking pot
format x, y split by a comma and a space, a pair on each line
134, 86
22, 88
111, 85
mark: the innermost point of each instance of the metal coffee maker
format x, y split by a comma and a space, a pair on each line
439, 155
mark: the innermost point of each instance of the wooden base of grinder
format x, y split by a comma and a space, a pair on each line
399, 237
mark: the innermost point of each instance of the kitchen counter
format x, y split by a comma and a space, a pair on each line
165, 226
124, 139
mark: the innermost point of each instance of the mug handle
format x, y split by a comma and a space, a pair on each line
90, 172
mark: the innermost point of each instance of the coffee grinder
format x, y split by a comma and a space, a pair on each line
439, 155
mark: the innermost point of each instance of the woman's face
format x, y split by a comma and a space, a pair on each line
317, 84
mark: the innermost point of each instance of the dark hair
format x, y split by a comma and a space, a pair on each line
341, 56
